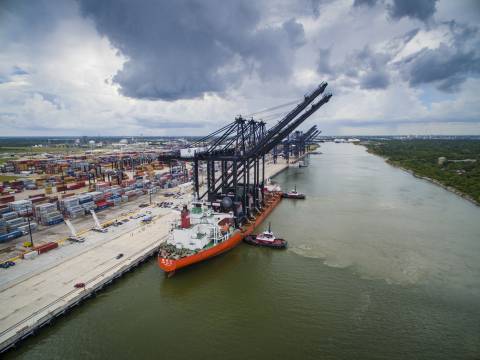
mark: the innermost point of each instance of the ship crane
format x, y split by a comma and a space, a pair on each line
296, 143
234, 155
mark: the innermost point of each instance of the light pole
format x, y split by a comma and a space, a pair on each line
30, 230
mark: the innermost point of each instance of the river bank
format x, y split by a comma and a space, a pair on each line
426, 178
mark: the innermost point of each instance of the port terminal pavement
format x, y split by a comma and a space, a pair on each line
36, 291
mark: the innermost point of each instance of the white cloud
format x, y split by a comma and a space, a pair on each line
69, 88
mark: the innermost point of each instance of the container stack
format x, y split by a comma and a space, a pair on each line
77, 185
37, 199
9, 215
29, 184
86, 202
84, 198
101, 205
14, 224
67, 203
3, 227
72, 207
116, 190
101, 186
10, 235
25, 228
116, 200
11, 225
96, 195
22, 207
48, 214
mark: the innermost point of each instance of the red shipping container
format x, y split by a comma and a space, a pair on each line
7, 199
46, 247
39, 199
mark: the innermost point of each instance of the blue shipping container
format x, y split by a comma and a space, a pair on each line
102, 207
54, 222
11, 235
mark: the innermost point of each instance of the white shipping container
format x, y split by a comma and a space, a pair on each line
30, 255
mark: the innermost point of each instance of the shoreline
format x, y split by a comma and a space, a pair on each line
430, 180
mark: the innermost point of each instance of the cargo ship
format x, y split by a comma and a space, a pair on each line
203, 233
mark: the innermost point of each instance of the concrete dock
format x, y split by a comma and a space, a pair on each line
34, 292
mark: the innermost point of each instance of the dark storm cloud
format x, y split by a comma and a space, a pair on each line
415, 9
19, 71
295, 33
366, 67
375, 80
365, 2
373, 67
420, 9
32, 20
186, 48
448, 65
444, 66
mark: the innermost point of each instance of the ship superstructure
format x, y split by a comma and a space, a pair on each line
197, 229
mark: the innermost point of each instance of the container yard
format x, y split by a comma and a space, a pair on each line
69, 187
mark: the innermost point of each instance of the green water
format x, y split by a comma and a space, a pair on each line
380, 266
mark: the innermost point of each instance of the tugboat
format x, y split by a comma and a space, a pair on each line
293, 194
267, 239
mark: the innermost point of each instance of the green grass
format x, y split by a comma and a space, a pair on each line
37, 150
8, 178
4, 160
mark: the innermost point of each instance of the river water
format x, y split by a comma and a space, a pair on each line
381, 265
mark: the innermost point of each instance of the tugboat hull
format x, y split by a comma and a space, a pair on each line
276, 244
293, 196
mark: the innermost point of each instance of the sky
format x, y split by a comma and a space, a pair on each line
187, 67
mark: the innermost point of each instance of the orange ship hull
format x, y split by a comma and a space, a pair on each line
171, 265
